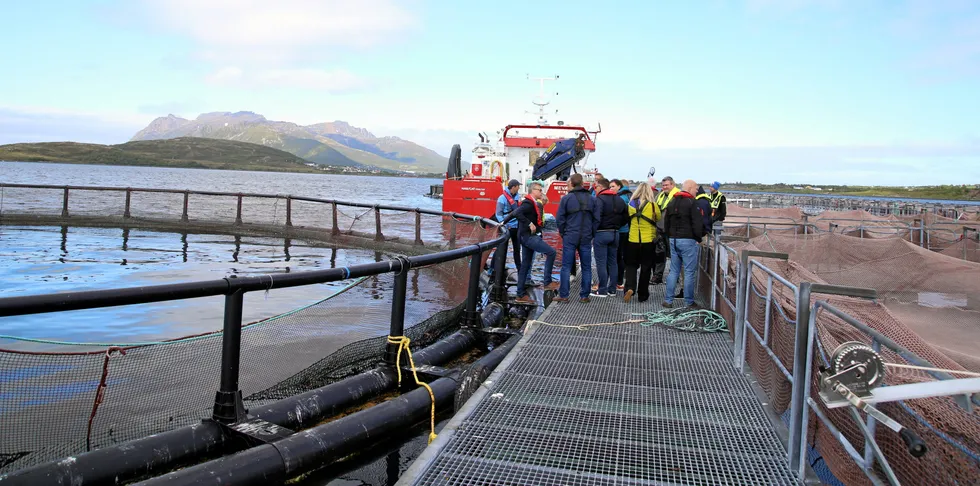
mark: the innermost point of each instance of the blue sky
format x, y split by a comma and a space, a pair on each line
855, 92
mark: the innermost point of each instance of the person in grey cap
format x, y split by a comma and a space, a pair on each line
506, 204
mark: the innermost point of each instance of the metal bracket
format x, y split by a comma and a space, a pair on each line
743, 239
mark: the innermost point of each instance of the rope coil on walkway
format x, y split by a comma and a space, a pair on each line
403, 342
697, 320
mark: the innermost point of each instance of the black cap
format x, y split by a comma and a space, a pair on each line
512, 183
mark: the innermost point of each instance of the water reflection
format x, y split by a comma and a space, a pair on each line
32, 262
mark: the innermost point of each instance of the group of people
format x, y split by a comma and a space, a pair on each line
631, 233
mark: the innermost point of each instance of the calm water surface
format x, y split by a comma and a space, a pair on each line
48, 259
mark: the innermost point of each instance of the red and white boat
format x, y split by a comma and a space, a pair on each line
474, 189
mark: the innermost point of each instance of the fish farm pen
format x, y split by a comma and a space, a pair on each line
835, 346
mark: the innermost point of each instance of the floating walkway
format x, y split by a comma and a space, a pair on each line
623, 404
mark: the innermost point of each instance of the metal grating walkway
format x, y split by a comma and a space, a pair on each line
611, 405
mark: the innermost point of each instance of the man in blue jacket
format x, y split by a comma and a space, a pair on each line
614, 217
578, 219
506, 204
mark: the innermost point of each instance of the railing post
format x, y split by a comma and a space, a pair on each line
740, 300
418, 227
289, 211
471, 318
499, 272
452, 232
800, 351
64, 205
397, 327
228, 405
183, 215
129, 195
377, 225
922, 230
714, 273
335, 229
238, 214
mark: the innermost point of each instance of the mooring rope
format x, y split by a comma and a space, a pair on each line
583, 327
100, 393
403, 342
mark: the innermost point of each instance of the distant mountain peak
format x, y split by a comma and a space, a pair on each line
238, 116
339, 127
332, 143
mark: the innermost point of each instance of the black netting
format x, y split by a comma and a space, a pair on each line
50, 393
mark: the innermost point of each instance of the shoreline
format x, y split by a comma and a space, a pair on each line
298, 170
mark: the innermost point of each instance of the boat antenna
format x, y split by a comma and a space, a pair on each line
541, 100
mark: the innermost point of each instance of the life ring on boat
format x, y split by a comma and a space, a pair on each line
496, 164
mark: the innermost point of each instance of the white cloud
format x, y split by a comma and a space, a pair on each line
332, 81
262, 43
45, 124
237, 29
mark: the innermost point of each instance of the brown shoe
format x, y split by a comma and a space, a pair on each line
551, 286
525, 300
584, 300
628, 296
560, 299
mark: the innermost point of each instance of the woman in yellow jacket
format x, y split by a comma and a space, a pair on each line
640, 249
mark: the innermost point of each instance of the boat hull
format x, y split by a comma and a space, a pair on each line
478, 197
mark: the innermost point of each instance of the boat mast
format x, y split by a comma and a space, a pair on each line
541, 101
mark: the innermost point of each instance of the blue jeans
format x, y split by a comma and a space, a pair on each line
568, 250
531, 245
682, 252
606, 248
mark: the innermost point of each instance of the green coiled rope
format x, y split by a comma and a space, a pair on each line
696, 320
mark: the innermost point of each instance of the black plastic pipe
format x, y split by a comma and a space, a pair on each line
162, 452
312, 449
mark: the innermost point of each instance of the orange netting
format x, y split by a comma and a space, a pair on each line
919, 290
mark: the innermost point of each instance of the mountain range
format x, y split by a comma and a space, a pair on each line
192, 152
331, 143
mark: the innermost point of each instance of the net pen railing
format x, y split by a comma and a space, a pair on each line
238, 213
73, 397
769, 308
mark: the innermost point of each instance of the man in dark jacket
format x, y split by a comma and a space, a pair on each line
530, 217
704, 204
719, 204
578, 219
614, 216
684, 226
623, 190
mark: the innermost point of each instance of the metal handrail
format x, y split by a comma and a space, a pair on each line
228, 406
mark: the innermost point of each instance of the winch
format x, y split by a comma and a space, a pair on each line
856, 369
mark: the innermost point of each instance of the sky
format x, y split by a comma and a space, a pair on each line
880, 92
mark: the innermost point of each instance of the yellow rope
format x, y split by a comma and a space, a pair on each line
584, 327
403, 342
